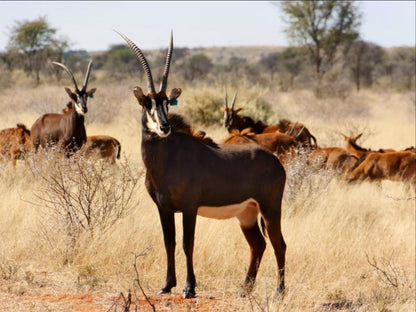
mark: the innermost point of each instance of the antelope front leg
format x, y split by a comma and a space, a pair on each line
189, 221
168, 225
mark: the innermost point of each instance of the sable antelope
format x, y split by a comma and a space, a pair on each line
185, 174
376, 166
15, 142
332, 158
276, 142
303, 134
99, 146
234, 121
66, 131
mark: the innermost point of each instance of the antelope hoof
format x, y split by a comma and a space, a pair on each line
163, 291
188, 293
281, 291
245, 290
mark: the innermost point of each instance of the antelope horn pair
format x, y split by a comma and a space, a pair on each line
293, 128
297, 135
233, 101
87, 76
143, 61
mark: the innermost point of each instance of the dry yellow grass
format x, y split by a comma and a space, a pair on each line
334, 231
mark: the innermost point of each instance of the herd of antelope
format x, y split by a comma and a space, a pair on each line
243, 176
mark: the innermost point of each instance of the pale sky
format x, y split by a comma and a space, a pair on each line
88, 25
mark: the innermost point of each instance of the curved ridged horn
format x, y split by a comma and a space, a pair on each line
293, 128
143, 61
87, 76
297, 135
164, 83
233, 102
69, 73
225, 100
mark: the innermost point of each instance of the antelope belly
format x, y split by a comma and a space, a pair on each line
246, 212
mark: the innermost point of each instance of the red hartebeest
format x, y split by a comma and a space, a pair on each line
281, 144
352, 147
15, 142
380, 165
377, 166
65, 131
332, 158
185, 174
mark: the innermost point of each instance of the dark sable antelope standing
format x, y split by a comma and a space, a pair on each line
66, 131
185, 174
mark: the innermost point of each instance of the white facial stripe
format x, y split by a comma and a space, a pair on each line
151, 124
246, 212
78, 108
154, 127
153, 109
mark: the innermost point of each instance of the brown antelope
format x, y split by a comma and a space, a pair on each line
332, 158
65, 131
234, 121
276, 142
15, 142
352, 147
394, 166
101, 147
380, 165
303, 134
185, 174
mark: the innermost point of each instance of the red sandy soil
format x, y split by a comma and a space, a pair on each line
17, 298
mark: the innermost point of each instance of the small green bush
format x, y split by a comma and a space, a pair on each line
203, 105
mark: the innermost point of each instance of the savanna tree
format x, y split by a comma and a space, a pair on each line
322, 27
362, 59
36, 42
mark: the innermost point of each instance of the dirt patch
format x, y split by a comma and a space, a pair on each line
18, 297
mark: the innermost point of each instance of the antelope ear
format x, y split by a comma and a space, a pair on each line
174, 94
91, 92
345, 137
223, 109
238, 109
71, 94
140, 96
358, 136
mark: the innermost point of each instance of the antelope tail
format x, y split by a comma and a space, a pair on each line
118, 150
263, 227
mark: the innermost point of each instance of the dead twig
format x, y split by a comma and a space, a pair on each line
137, 280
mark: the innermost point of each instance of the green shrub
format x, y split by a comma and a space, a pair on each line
203, 105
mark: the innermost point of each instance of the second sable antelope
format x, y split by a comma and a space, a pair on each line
185, 174
65, 131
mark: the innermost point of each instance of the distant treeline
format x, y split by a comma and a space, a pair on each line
364, 65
